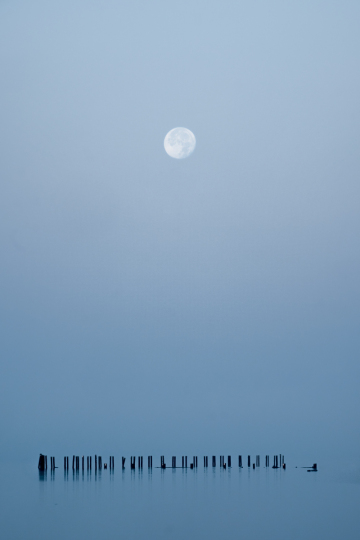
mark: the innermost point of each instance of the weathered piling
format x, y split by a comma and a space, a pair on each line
42, 465
149, 462
214, 461
100, 463
221, 462
77, 463
258, 461
140, 462
267, 461
229, 461
90, 462
65, 463
87, 463
123, 462
162, 462
83, 462
183, 461
73, 463
96, 462
240, 462
196, 461
132, 462
206, 461
249, 461
173, 462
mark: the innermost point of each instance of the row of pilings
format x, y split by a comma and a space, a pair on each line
79, 462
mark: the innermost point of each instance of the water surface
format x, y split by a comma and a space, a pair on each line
176, 504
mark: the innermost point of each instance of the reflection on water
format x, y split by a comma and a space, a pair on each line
177, 504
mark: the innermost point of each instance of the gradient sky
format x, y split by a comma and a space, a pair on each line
150, 305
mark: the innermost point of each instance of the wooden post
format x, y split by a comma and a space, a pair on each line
150, 462
249, 461
253, 465
191, 465
132, 462
229, 461
83, 462
96, 462
173, 462
41, 464
196, 461
183, 462
258, 461
123, 462
87, 463
214, 461
77, 463
65, 463
73, 465
240, 462
90, 462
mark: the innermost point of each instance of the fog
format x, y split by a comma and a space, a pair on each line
153, 305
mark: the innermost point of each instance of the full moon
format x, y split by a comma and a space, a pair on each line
179, 143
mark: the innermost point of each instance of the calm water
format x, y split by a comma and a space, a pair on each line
178, 504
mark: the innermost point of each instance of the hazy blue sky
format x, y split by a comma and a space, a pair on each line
151, 305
